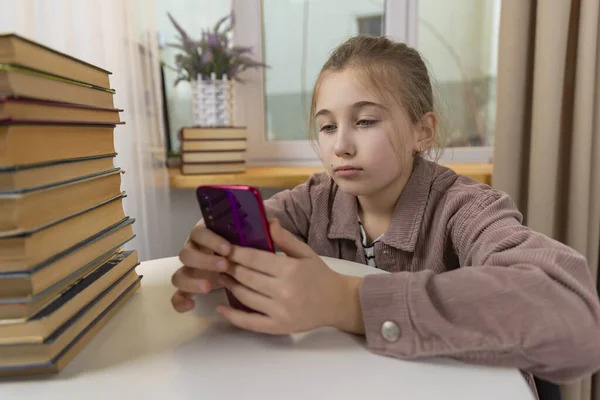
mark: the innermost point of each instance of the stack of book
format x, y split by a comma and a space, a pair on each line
212, 150
63, 271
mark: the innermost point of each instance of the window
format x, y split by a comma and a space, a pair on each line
459, 40
297, 38
372, 26
294, 37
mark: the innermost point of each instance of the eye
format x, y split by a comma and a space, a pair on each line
366, 122
327, 128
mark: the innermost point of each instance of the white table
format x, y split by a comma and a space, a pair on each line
148, 351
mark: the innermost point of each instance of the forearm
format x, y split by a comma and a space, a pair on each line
506, 316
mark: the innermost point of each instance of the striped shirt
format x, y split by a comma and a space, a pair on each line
369, 248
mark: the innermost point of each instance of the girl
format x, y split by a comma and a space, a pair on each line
468, 280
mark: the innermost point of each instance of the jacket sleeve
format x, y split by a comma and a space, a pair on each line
293, 207
520, 300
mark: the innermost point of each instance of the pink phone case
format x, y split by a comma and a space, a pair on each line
237, 214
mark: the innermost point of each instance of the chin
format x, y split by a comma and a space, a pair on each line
356, 188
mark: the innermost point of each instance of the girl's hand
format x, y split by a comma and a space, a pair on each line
294, 293
203, 257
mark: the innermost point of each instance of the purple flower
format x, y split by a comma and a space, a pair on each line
212, 53
207, 56
213, 40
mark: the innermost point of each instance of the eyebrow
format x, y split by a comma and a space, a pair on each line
356, 106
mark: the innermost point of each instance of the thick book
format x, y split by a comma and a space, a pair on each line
24, 143
213, 145
38, 327
20, 285
25, 250
213, 157
20, 108
64, 357
38, 176
27, 82
13, 310
212, 168
27, 356
15, 49
22, 211
216, 133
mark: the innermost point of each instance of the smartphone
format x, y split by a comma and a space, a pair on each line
237, 214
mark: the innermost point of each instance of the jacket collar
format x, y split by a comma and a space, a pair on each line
407, 217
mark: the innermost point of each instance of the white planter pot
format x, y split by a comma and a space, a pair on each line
212, 102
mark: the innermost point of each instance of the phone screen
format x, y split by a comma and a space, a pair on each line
237, 215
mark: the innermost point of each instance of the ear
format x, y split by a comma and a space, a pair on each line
425, 135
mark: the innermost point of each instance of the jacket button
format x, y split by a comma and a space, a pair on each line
390, 331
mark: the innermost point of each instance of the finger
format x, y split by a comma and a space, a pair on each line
257, 281
193, 281
202, 258
247, 296
250, 321
182, 302
198, 224
288, 243
259, 260
204, 237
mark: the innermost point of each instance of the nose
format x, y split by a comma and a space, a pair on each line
344, 143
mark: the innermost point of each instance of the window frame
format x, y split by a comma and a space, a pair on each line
401, 23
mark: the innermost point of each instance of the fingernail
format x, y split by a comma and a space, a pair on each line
222, 265
224, 249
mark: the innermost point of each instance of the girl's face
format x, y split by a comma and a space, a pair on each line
365, 145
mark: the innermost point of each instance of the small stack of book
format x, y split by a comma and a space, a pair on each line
212, 150
63, 271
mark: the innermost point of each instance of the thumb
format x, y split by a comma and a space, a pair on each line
289, 243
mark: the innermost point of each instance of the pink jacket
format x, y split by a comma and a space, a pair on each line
468, 280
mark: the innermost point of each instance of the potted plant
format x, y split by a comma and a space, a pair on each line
211, 65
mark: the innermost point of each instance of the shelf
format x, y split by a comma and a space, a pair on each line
288, 177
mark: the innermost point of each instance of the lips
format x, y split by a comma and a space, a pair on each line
347, 171
347, 168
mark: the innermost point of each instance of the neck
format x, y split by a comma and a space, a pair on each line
383, 203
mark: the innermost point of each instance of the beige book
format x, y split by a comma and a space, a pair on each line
21, 212
22, 82
32, 177
65, 356
65, 306
25, 251
23, 144
15, 355
28, 283
201, 133
213, 145
15, 108
27, 307
213, 157
15, 49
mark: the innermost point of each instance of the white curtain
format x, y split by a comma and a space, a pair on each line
119, 36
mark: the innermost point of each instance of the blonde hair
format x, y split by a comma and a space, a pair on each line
396, 72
